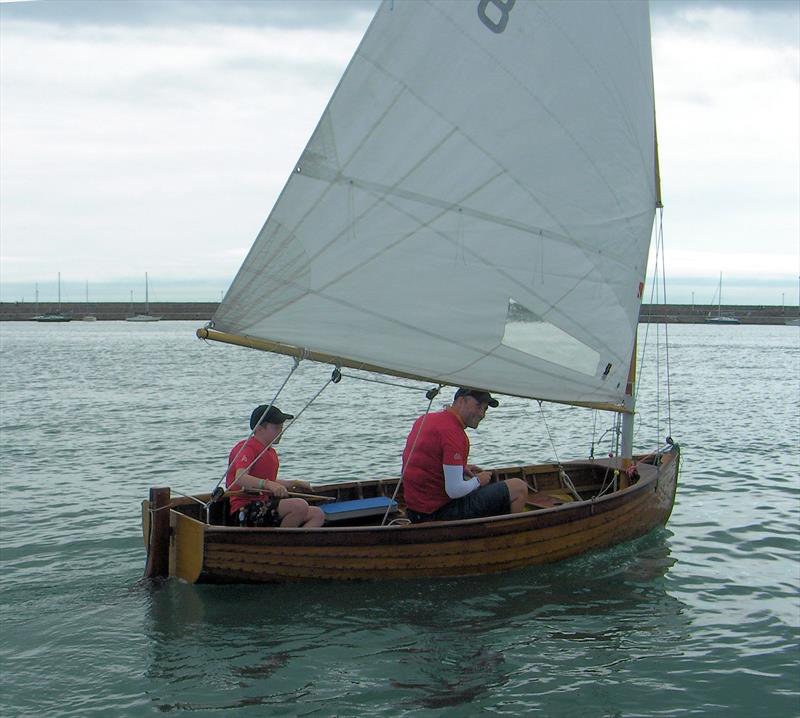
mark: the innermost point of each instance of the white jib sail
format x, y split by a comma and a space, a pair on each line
475, 206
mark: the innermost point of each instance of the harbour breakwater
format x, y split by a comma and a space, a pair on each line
203, 311
108, 311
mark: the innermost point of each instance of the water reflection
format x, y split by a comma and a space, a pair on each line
422, 644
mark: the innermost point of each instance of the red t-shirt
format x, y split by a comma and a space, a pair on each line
265, 468
442, 440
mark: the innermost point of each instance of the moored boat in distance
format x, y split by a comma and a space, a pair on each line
52, 317
146, 317
426, 235
57, 316
88, 317
719, 317
721, 320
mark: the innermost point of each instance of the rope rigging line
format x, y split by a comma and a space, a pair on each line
666, 326
659, 257
654, 298
561, 472
614, 430
383, 381
170, 504
430, 395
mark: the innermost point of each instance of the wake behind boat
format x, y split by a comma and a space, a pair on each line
480, 223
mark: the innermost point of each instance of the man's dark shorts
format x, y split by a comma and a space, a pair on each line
489, 500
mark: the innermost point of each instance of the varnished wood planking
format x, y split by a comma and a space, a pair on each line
213, 553
454, 557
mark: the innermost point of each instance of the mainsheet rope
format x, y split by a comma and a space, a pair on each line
431, 394
561, 472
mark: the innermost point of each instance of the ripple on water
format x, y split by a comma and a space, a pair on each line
700, 618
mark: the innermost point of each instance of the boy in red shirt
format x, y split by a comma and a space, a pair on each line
252, 465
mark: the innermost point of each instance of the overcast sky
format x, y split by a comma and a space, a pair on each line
155, 136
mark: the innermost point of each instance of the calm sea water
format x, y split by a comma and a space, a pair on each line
699, 618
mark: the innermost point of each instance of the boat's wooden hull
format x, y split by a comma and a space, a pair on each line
202, 552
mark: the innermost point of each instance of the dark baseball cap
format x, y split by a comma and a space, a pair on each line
479, 394
273, 415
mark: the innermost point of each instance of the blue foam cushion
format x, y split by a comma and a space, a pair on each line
376, 503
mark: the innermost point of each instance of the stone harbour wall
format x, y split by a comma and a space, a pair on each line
202, 311
105, 311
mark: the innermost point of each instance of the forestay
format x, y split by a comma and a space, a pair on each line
475, 205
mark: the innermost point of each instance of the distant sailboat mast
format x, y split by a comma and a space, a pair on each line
719, 318
51, 316
146, 316
89, 317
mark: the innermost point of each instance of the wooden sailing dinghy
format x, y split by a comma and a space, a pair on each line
184, 542
474, 208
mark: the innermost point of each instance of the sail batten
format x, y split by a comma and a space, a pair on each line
475, 205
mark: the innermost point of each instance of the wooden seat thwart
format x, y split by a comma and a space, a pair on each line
548, 499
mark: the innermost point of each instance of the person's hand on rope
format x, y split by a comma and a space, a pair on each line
299, 486
278, 490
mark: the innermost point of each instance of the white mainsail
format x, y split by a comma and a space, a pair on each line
475, 205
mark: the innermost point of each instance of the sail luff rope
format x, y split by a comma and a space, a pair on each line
431, 395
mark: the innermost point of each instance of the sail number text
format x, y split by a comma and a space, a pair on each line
497, 17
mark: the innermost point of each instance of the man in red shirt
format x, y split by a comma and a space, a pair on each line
438, 483
252, 465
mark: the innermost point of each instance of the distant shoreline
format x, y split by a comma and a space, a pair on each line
203, 311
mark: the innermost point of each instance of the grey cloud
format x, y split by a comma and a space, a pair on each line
275, 13
770, 21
